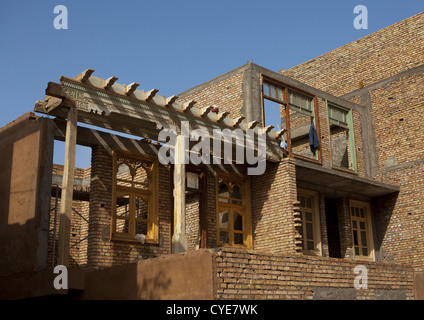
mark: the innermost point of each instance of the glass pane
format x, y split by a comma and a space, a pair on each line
121, 225
223, 219
308, 216
141, 179
309, 231
355, 237
266, 89
301, 101
223, 192
273, 92
141, 227
355, 224
357, 212
338, 114
238, 238
364, 239
280, 94
310, 245
238, 221
224, 237
192, 180
236, 193
362, 225
123, 206
357, 251
362, 213
141, 208
302, 201
308, 203
364, 251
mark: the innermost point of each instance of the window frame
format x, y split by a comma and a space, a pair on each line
285, 102
244, 209
151, 195
348, 124
368, 230
316, 221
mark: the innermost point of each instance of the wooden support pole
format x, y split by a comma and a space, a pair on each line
179, 239
67, 187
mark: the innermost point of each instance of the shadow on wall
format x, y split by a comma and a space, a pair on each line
383, 208
26, 147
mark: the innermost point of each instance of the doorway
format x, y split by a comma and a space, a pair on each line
333, 234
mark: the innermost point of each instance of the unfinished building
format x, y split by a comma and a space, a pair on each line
337, 190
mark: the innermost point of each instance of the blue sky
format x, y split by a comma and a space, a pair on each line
169, 45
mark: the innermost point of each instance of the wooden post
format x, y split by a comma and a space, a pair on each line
179, 238
67, 187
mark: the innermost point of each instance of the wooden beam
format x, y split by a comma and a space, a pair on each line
85, 75
204, 111
170, 100
109, 82
188, 105
179, 238
131, 88
237, 121
67, 187
151, 94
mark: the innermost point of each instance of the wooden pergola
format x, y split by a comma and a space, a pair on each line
125, 108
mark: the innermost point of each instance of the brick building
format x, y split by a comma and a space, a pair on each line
341, 187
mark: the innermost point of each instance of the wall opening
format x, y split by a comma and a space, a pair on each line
333, 234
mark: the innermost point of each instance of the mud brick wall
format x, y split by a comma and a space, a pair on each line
248, 274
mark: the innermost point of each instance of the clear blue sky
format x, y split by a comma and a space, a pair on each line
170, 45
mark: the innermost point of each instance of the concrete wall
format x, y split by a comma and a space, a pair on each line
26, 146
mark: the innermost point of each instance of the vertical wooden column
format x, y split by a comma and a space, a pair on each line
67, 186
179, 238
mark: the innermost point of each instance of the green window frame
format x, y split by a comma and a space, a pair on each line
341, 117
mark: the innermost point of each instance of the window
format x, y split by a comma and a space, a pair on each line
294, 111
343, 154
134, 203
302, 117
361, 230
309, 227
274, 105
233, 211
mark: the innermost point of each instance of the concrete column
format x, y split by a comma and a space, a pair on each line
179, 238
67, 187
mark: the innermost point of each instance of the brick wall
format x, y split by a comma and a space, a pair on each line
273, 194
372, 58
248, 274
390, 64
102, 252
225, 93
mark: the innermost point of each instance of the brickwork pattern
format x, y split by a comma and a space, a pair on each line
248, 274
226, 94
105, 253
389, 51
273, 195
